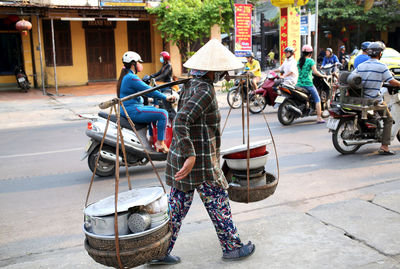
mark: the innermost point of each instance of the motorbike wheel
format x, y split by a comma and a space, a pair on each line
104, 168
398, 136
234, 98
257, 103
285, 117
345, 131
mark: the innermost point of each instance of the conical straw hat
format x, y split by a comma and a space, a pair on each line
213, 56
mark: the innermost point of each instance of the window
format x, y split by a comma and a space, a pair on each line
11, 53
139, 39
62, 38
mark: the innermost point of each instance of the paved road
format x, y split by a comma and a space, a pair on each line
43, 182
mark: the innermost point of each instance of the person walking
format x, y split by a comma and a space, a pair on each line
193, 159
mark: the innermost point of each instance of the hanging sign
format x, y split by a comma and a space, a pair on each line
283, 32
242, 29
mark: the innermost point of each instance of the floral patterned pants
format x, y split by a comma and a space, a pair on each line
216, 201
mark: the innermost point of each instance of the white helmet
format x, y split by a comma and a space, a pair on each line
130, 56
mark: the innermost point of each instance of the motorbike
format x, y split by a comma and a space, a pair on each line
353, 125
296, 102
264, 95
237, 94
135, 144
22, 78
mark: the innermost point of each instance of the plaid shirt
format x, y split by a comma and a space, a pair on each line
196, 133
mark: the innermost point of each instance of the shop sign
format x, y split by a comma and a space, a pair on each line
283, 31
99, 24
242, 29
122, 3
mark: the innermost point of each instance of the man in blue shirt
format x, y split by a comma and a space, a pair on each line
373, 74
329, 58
364, 56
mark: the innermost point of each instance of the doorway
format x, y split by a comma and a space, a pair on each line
100, 53
11, 53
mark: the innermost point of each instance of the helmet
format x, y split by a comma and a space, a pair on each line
365, 45
130, 56
330, 50
375, 48
382, 44
249, 54
288, 49
165, 55
342, 47
306, 48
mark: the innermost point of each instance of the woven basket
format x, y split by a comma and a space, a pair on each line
128, 243
239, 194
131, 258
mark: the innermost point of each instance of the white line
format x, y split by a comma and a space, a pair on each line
39, 153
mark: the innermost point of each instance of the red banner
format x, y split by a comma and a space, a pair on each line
242, 29
283, 32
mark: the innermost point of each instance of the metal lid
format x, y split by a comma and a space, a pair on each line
126, 200
243, 147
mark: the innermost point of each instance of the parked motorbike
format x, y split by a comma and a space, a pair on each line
135, 147
354, 125
296, 102
236, 95
22, 78
264, 95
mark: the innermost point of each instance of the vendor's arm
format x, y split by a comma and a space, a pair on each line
187, 115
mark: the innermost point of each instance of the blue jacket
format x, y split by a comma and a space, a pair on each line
331, 60
131, 84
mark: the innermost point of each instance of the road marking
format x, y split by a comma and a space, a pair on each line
39, 153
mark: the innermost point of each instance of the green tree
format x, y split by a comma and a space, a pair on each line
186, 21
381, 14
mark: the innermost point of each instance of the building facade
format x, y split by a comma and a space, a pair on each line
90, 37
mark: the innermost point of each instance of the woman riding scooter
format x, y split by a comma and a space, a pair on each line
165, 73
129, 83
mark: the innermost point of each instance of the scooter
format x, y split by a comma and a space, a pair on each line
22, 78
296, 102
353, 125
135, 144
264, 95
237, 94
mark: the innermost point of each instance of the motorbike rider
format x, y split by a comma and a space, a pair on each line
253, 66
306, 67
129, 83
373, 74
342, 56
364, 55
289, 67
165, 72
329, 58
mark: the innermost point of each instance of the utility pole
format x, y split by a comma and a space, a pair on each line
316, 32
262, 31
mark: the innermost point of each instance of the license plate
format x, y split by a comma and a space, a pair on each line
88, 145
332, 123
21, 79
280, 99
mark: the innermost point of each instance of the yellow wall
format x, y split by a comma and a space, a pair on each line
121, 44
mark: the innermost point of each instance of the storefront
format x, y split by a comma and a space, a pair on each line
88, 44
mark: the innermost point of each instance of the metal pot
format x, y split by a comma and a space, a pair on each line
139, 222
104, 225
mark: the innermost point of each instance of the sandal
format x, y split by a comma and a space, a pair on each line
320, 121
161, 148
386, 152
240, 253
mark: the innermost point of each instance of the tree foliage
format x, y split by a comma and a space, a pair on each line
381, 14
186, 21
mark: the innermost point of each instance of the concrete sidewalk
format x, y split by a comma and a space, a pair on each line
349, 234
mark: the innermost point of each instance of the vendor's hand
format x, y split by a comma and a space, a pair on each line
171, 98
186, 168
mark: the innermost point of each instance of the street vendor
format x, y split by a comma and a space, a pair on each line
193, 159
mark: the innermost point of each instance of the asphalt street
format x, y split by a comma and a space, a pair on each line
43, 182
